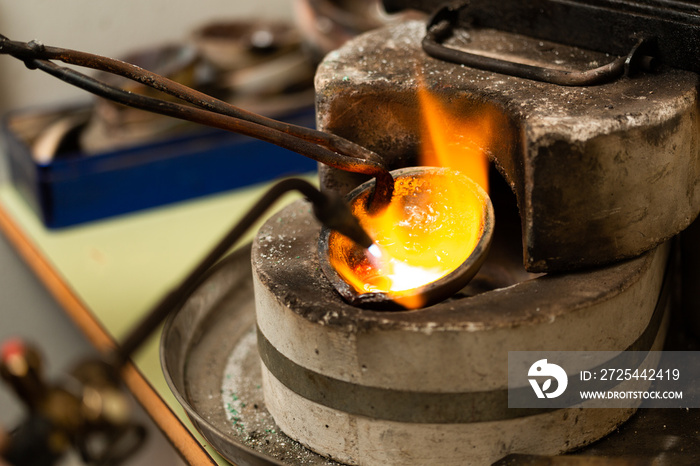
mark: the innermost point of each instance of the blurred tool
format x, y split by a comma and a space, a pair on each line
87, 411
325, 25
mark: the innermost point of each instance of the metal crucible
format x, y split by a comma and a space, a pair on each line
430, 241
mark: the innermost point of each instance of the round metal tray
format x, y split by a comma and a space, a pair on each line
210, 360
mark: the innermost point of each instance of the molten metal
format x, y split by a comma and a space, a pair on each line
429, 241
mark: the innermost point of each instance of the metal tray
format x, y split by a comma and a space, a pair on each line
210, 360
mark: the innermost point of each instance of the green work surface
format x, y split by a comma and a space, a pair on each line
120, 267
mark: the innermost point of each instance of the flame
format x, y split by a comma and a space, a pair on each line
434, 222
457, 141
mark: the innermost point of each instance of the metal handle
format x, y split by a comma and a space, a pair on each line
441, 27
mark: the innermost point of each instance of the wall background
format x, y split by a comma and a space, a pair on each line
105, 27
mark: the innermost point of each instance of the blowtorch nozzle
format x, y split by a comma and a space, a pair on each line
334, 213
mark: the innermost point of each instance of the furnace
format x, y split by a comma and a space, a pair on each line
593, 171
591, 175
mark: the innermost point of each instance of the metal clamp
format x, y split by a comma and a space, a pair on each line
441, 27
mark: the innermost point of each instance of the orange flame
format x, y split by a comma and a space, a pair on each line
457, 141
433, 224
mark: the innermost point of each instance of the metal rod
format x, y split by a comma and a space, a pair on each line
31, 50
441, 27
432, 46
328, 149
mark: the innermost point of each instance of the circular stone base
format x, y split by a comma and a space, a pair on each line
372, 387
360, 440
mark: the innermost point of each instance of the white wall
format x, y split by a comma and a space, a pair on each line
105, 27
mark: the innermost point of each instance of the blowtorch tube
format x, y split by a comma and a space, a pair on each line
330, 209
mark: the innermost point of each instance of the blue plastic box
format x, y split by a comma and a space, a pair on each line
76, 188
